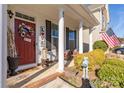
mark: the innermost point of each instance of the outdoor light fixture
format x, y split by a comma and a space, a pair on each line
10, 13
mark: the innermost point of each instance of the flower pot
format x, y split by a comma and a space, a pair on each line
13, 64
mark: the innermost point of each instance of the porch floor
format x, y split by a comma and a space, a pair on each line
30, 76
27, 76
50, 78
57, 83
47, 73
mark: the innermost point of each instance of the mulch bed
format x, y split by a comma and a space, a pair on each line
74, 77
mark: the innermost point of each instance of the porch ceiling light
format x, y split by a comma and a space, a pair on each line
10, 13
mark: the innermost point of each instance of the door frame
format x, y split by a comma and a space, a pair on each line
26, 66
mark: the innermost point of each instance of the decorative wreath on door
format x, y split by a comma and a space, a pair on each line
25, 30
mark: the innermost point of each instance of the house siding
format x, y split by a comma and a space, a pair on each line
40, 20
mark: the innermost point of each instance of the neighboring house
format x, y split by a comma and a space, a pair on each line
122, 41
101, 12
55, 27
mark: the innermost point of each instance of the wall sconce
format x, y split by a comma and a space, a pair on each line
10, 13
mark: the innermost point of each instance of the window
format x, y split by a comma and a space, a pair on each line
71, 35
54, 36
54, 30
72, 39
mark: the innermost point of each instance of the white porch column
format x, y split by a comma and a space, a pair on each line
61, 41
77, 40
81, 37
90, 40
3, 45
101, 20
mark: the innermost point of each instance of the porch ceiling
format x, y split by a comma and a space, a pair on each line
73, 13
84, 13
94, 7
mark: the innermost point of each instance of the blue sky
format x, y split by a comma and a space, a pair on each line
117, 18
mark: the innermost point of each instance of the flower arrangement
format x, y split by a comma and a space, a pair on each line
25, 30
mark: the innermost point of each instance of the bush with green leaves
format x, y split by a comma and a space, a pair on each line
98, 56
100, 45
112, 71
95, 57
115, 62
79, 58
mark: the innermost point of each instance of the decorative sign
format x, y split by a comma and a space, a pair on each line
24, 16
27, 39
26, 32
42, 35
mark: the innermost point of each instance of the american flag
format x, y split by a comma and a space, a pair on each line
110, 38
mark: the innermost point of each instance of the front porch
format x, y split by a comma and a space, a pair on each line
47, 20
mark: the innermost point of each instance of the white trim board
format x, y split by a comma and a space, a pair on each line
23, 67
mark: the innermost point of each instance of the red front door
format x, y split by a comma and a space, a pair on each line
25, 41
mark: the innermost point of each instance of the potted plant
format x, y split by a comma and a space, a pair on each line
12, 58
13, 64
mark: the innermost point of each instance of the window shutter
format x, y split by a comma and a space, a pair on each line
75, 38
67, 38
48, 35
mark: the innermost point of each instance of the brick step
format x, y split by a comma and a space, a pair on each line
43, 81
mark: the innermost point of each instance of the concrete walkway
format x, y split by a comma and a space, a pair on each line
15, 81
30, 76
57, 83
46, 73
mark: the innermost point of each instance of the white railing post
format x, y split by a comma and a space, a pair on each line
81, 37
3, 45
90, 40
61, 41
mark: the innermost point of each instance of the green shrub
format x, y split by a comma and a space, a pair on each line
113, 72
91, 65
101, 84
95, 57
98, 56
115, 62
100, 45
78, 61
79, 58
